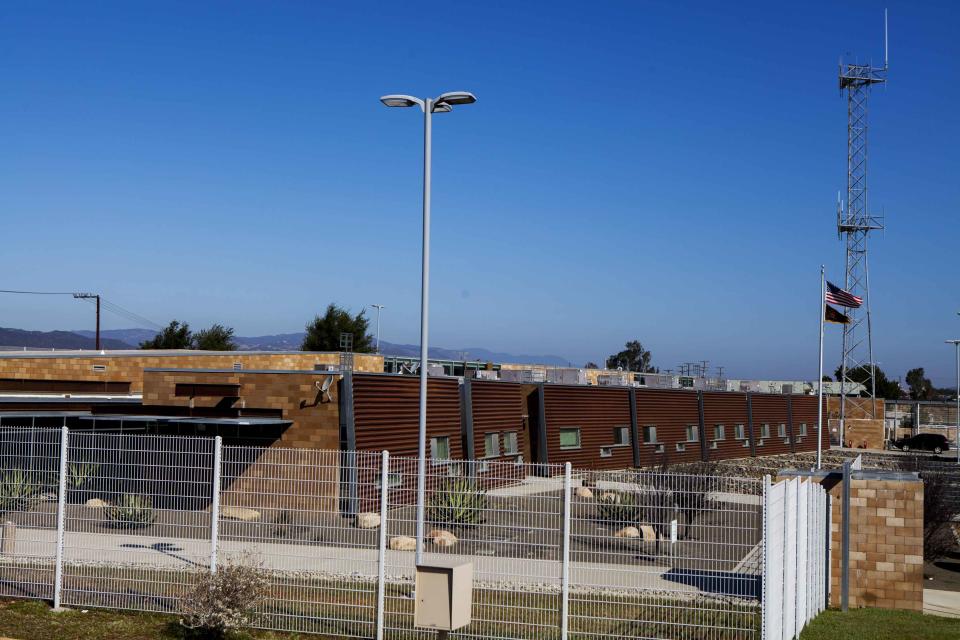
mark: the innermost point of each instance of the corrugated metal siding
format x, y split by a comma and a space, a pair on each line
386, 413
498, 407
596, 411
728, 409
770, 409
805, 410
670, 411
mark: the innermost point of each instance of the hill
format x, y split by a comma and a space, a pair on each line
18, 338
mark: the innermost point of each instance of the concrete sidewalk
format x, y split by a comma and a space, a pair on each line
941, 603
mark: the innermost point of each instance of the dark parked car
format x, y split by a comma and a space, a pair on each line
924, 442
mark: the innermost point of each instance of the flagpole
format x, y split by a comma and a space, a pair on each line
823, 310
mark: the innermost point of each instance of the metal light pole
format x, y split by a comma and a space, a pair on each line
441, 104
956, 344
378, 307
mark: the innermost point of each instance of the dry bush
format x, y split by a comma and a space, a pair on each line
225, 600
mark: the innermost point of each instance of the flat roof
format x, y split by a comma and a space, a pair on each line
320, 372
134, 398
42, 414
243, 421
161, 353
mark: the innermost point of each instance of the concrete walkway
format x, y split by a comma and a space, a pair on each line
941, 603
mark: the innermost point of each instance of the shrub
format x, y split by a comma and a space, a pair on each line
130, 511
225, 600
458, 501
18, 491
80, 473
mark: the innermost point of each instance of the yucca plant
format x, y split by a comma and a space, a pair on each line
132, 510
18, 491
457, 501
80, 473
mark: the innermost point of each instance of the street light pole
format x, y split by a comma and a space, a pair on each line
956, 344
441, 104
378, 307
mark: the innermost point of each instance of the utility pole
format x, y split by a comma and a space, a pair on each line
92, 296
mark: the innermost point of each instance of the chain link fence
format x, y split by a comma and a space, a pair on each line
130, 521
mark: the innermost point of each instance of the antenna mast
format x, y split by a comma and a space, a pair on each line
854, 225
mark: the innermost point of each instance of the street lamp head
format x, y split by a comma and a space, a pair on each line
457, 97
399, 100
442, 107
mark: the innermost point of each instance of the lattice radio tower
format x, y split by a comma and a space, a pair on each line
855, 224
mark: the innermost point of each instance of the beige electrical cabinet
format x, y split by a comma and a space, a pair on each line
444, 595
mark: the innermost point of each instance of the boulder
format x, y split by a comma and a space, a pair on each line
96, 503
239, 513
368, 520
627, 532
442, 538
584, 492
403, 543
648, 533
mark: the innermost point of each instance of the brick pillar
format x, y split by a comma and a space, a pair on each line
886, 537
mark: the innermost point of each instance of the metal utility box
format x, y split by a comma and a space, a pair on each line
444, 595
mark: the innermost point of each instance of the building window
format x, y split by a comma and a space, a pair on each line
739, 432
491, 445
650, 434
570, 438
510, 444
693, 433
719, 432
764, 430
782, 430
621, 436
681, 446
440, 448
802, 429
606, 452
659, 448
393, 480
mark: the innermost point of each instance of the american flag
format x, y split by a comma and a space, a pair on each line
836, 295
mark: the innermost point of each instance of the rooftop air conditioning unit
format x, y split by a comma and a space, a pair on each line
483, 374
435, 370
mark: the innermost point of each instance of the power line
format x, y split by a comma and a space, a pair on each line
39, 293
109, 306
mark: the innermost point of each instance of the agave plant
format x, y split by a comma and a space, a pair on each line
619, 507
18, 491
80, 473
132, 510
457, 501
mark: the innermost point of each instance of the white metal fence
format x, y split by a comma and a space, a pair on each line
96, 519
796, 556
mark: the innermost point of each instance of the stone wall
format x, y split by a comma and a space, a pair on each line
128, 366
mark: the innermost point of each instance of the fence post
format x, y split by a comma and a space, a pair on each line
215, 507
61, 518
764, 576
382, 542
565, 558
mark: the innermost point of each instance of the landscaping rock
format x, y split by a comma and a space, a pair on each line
96, 503
442, 538
627, 532
239, 513
648, 533
368, 520
403, 543
583, 492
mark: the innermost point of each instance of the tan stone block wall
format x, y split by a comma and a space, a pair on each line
862, 434
855, 408
886, 544
277, 478
128, 367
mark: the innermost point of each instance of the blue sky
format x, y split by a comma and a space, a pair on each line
664, 171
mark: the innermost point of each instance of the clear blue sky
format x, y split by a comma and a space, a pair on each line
663, 171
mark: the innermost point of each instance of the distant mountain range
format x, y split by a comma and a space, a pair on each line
131, 339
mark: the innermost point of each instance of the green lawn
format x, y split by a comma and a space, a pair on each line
880, 624
31, 620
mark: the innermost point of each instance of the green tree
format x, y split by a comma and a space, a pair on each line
323, 332
633, 358
216, 338
591, 365
886, 388
920, 386
174, 336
